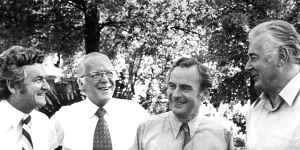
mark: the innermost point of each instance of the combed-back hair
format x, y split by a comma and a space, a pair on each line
82, 64
282, 32
12, 61
203, 71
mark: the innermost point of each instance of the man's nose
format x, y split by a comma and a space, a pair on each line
177, 92
45, 86
248, 65
104, 78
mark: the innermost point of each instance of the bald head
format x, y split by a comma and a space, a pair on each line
92, 60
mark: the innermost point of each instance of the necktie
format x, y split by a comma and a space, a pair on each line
27, 141
102, 140
186, 131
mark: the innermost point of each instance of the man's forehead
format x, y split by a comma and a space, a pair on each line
97, 63
262, 42
34, 70
185, 73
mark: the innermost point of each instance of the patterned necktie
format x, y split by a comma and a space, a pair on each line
102, 140
186, 131
27, 141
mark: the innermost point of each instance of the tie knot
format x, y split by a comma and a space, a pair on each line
26, 120
185, 128
100, 112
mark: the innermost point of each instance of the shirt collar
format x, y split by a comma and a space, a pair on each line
193, 124
175, 124
267, 103
91, 108
15, 115
287, 94
290, 91
109, 106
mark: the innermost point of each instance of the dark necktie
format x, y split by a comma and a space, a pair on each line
186, 131
27, 141
102, 140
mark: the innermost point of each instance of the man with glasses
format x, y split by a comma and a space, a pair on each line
100, 122
274, 63
23, 90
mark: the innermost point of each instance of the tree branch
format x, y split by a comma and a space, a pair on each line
78, 4
110, 23
185, 30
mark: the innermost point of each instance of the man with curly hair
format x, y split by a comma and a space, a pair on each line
22, 90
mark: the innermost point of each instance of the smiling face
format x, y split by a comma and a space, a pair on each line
263, 61
184, 92
98, 79
32, 92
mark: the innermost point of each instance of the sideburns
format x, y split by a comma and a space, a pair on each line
23, 88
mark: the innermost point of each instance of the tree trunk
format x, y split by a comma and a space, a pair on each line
92, 34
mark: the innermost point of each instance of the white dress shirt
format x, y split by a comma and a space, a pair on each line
42, 133
75, 124
162, 132
276, 128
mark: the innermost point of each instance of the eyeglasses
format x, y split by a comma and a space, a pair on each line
99, 75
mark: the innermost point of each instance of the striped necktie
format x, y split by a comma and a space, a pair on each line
186, 131
102, 139
27, 141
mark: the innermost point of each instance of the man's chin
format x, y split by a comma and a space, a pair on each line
257, 85
180, 114
40, 101
40, 104
178, 110
102, 99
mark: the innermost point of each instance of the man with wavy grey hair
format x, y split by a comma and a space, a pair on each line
23, 89
274, 54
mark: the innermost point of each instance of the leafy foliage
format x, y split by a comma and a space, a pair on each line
211, 31
144, 38
229, 24
65, 92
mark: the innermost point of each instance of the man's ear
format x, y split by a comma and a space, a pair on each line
203, 94
283, 54
11, 86
80, 82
